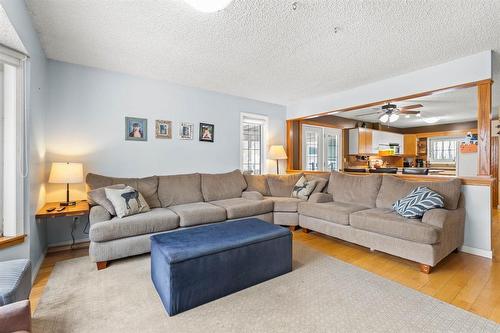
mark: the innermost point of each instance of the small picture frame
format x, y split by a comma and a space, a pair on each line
136, 129
186, 131
207, 132
163, 129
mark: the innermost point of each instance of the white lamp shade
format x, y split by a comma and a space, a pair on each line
66, 173
208, 6
393, 117
277, 152
384, 118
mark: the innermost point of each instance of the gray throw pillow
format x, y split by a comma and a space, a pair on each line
98, 197
127, 201
303, 188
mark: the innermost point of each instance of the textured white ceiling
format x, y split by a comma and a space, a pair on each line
262, 49
450, 107
8, 35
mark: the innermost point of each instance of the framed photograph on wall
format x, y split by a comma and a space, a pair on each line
207, 132
136, 129
186, 131
164, 129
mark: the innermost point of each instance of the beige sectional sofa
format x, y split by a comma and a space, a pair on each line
353, 208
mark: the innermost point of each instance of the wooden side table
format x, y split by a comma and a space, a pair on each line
80, 209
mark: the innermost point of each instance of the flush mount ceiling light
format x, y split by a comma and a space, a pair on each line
431, 120
208, 6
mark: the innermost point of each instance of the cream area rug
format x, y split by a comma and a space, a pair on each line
322, 294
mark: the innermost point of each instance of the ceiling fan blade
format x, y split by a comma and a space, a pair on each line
409, 112
414, 106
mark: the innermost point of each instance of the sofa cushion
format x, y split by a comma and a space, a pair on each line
321, 181
257, 183
222, 185
147, 186
336, 212
98, 197
240, 207
156, 220
179, 189
394, 188
282, 185
387, 222
362, 190
198, 213
282, 204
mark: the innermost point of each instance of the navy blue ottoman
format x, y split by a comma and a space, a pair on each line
194, 266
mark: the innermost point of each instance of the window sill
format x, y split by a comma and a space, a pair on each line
6, 242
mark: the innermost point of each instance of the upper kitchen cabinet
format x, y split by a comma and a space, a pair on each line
410, 145
364, 141
360, 141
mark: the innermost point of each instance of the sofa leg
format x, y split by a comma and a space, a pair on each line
292, 227
101, 265
456, 250
425, 268
305, 230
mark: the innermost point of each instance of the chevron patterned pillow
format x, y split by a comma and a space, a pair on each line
420, 200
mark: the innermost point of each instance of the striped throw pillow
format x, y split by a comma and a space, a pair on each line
420, 200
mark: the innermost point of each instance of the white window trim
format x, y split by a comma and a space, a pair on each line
442, 138
257, 119
15, 68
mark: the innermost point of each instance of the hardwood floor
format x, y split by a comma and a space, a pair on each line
467, 281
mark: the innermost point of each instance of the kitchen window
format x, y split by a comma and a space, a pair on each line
12, 142
443, 149
253, 134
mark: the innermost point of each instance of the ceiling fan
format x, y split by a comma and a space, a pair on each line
390, 112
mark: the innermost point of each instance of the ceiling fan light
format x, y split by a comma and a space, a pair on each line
393, 117
384, 118
208, 6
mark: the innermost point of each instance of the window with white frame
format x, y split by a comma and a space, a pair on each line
12, 142
442, 149
253, 147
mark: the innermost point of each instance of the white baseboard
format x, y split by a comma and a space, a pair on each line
477, 252
36, 267
77, 241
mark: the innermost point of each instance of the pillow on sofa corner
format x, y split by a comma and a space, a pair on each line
417, 202
98, 197
303, 188
127, 201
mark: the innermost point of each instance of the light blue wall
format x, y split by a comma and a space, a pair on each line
34, 190
85, 123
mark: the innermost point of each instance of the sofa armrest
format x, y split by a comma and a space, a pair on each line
320, 198
451, 224
98, 214
252, 195
441, 218
15, 317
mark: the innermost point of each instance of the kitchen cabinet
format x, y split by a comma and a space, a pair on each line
360, 141
365, 141
410, 145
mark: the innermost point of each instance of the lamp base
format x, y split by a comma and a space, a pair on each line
68, 203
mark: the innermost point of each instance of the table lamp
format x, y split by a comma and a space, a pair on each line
277, 152
66, 173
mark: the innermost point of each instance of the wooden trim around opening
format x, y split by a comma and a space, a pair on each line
478, 180
6, 242
484, 128
398, 99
